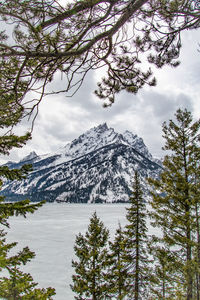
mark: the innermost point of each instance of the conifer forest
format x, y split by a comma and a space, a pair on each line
138, 266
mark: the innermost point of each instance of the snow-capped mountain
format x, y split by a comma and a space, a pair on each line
98, 166
32, 156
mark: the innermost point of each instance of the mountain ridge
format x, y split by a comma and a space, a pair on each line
98, 166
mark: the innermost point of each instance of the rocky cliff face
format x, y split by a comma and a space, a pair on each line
96, 167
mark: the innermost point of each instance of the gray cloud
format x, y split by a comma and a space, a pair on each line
62, 119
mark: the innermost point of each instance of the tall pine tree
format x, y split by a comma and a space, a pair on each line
136, 243
195, 192
173, 200
90, 282
118, 271
163, 273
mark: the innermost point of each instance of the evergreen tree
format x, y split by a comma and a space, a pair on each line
195, 187
173, 200
163, 273
136, 242
118, 271
89, 282
17, 285
11, 114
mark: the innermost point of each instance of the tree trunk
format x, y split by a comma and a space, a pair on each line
94, 297
137, 258
189, 273
198, 252
163, 284
188, 227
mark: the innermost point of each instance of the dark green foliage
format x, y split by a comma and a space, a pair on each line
11, 113
16, 208
175, 206
21, 286
89, 282
174, 272
16, 285
163, 280
128, 273
74, 37
118, 271
123, 273
136, 257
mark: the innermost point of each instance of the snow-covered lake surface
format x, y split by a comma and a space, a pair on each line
51, 232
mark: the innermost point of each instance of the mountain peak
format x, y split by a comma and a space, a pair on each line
98, 166
100, 128
30, 156
129, 135
91, 140
137, 143
101, 136
103, 126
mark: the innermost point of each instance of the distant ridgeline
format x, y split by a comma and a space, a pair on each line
97, 167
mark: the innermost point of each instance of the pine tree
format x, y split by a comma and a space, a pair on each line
89, 282
71, 38
118, 271
17, 285
136, 243
11, 114
195, 187
173, 200
163, 273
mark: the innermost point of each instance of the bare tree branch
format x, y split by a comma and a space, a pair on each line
49, 38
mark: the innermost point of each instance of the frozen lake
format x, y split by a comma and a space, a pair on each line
51, 232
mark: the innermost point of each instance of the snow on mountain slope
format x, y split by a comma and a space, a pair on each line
98, 166
89, 141
137, 143
31, 156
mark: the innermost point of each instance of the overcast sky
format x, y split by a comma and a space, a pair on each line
62, 119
